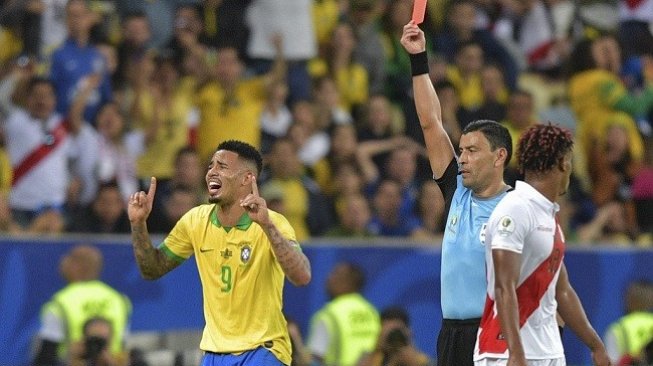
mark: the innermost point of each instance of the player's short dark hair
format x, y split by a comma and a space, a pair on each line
244, 151
395, 313
496, 134
542, 146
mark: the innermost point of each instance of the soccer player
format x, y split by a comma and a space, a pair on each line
242, 250
527, 279
471, 184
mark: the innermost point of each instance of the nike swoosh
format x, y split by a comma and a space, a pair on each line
204, 250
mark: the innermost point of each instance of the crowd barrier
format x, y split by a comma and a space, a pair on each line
398, 273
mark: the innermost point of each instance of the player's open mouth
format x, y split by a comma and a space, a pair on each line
214, 187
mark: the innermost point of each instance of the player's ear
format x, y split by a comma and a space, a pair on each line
502, 155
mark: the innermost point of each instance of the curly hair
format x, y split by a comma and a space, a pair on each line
542, 146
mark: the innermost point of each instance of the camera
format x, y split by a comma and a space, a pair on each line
93, 346
397, 338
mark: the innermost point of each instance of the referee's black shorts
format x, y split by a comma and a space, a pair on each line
456, 342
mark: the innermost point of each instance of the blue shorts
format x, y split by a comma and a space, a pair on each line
259, 357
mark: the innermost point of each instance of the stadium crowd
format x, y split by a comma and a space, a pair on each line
98, 96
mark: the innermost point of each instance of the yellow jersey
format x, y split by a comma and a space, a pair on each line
229, 117
158, 159
242, 281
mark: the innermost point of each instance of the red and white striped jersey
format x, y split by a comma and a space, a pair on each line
525, 222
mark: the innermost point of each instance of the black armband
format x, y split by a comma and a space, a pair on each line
419, 63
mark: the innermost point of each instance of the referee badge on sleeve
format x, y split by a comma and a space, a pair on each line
506, 226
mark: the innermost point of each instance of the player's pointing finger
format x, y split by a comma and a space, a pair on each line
254, 186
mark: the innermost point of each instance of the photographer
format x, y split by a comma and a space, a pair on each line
394, 347
93, 349
84, 297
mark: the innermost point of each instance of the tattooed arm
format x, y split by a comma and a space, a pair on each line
293, 262
152, 262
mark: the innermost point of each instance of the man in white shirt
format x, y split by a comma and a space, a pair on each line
527, 280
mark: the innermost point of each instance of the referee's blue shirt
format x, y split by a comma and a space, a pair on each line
462, 277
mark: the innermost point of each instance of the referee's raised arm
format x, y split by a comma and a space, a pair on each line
438, 145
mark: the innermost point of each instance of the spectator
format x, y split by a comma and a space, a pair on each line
188, 36
599, 98
165, 215
369, 52
107, 214
40, 146
84, 297
311, 139
643, 195
188, 171
230, 97
388, 218
334, 337
135, 43
454, 116
118, 150
77, 59
350, 78
160, 14
519, 117
461, 28
306, 206
430, 208
465, 74
164, 115
353, 217
225, 23
276, 118
328, 99
612, 171
268, 19
495, 94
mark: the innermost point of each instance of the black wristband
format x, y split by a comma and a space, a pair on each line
419, 63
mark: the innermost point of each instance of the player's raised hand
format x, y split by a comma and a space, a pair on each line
140, 204
413, 38
255, 205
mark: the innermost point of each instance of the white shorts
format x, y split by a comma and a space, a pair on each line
504, 361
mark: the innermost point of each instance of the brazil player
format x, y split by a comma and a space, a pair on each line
242, 249
472, 185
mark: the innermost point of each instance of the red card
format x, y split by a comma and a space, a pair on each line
419, 8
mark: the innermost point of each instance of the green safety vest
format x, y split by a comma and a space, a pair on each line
633, 332
81, 301
353, 325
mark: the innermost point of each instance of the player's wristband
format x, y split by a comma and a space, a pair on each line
419, 63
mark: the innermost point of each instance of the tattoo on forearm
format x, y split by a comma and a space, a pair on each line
288, 253
151, 261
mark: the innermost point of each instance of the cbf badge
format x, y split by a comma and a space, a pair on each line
506, 226
245, 254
